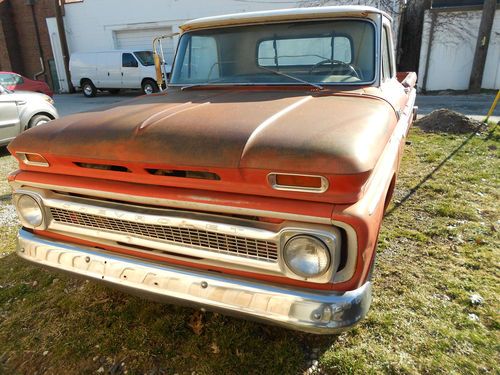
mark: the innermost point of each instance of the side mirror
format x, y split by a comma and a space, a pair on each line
159, 75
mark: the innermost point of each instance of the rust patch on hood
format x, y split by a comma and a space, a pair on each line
280, 130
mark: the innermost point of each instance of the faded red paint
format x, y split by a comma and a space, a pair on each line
356, 145
233, 129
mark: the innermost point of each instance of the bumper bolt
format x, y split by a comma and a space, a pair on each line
22, 250
317, 316
204, 284
87, 259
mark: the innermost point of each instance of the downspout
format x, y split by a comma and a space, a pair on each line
31, 3
41, 72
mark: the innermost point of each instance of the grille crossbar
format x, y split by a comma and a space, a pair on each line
206, 240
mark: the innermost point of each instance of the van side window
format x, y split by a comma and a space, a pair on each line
386, 55
129, 61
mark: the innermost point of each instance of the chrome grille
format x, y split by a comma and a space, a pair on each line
206, 240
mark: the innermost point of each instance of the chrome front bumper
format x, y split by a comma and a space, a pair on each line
314, 312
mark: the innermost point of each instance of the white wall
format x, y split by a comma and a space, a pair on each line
452, 51
92, 25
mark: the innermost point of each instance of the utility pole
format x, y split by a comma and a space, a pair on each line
483, 41
64, 44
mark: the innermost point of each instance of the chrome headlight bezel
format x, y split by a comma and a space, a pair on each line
299, 261
37, 207
330, 238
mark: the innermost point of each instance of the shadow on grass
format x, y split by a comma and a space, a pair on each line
4, 151
104, 328
414, 189
5, 197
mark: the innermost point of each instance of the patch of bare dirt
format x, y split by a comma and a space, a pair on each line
447, 121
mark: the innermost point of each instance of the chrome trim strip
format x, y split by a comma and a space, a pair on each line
24, 159
352, 243
347, 272
271, 178
173, 203
299, 309
243, 232
154, 217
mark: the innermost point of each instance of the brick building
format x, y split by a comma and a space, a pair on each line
25, 46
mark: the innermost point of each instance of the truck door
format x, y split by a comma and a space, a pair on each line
109, 70
9, 117
131, 72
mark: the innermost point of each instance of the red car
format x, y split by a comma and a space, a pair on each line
14, 81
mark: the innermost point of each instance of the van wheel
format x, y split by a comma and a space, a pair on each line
114, 91
38, 120
149, 86
89, 89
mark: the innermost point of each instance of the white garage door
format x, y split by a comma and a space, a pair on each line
142, 39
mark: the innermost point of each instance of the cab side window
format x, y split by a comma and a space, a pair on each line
129, 61
386, 55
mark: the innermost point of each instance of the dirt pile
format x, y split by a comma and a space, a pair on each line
446, 121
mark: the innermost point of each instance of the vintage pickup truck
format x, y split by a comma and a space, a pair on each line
254, 185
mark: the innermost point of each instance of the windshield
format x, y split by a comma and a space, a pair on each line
319, 52
145, 57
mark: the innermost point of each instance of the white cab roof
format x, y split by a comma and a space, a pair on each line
281, 15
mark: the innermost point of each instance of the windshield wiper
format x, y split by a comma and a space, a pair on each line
193, 85
261, 67
291, 77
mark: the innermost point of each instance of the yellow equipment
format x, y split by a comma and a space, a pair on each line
159, 59
492, 108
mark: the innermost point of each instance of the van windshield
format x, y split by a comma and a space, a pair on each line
317, 52
145, 57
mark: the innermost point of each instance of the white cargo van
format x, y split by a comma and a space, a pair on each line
113, 70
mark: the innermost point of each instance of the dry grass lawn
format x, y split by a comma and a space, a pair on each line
438, 246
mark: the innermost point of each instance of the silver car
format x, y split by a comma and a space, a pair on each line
21, 110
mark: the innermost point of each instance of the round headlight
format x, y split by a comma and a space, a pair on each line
29, 211
307, 256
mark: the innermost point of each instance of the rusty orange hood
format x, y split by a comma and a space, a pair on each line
295, 131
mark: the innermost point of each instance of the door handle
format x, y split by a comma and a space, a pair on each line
21, 102
108, 74
122, 74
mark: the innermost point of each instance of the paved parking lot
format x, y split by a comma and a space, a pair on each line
472, 105
475, 106
68, 104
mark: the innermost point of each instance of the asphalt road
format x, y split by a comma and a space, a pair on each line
471, 105
68, 104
